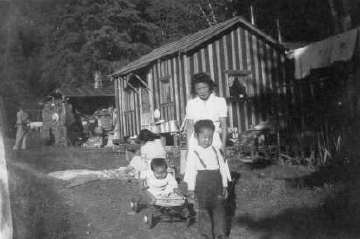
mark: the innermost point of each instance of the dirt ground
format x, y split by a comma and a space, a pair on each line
272, 202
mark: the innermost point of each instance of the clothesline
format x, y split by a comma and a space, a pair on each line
323, 53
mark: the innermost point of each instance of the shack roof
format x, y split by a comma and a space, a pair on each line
87, 91
191, 42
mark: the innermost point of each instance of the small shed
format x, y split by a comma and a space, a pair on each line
234, 53
62, 109
87, 99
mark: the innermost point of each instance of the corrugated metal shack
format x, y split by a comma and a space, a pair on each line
233, 52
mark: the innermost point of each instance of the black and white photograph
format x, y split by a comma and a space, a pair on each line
179, 119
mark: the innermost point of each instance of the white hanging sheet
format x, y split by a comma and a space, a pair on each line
323, 53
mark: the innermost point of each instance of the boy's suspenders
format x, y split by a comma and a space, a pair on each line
202, 161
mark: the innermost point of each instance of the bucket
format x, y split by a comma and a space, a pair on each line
154, 129
173, 126
164, 127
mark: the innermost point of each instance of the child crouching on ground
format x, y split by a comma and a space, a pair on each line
151, 147
206, 177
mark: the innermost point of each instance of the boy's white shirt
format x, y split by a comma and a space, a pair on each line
209, 157
159, 187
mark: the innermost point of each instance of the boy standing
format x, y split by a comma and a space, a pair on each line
206, 175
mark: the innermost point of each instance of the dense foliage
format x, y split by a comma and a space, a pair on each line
48, 43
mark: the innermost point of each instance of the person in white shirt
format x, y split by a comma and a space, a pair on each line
206, 105
151, 147
206, 175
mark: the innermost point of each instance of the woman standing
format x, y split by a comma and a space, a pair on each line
206, 105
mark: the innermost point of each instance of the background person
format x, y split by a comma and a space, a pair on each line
151, 147
22, 128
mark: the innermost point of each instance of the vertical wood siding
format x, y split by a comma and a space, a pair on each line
237, 49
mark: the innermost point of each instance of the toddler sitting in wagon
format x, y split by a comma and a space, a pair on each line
158, 186
161, 195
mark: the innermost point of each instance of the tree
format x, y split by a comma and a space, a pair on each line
89, 35
174, 18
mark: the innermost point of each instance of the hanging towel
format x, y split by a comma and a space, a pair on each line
344, 46
315, 55
323, 53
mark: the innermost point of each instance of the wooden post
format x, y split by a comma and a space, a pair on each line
3, 120
279, 36
187, 76
117, 103
252, 14
6, 228
334, 15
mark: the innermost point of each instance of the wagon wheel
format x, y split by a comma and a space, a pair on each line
189, 219
148, 219
185, 212
188, 216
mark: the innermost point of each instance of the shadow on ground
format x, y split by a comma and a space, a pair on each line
38, 211
230, 203
329, 174
337, 216
327, 221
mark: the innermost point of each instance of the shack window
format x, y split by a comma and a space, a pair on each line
145, 100
167, 107
237, 87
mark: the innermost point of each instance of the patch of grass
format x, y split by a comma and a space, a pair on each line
39, 210
267, 206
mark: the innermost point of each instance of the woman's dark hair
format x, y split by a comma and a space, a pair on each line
146, 135
158, 163
201, 78
203, 124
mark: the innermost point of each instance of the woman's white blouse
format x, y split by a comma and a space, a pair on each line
213, 109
